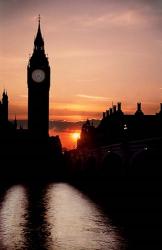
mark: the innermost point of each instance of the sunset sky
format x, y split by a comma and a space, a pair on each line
100, 51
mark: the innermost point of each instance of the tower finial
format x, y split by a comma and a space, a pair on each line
39, 42
39, 18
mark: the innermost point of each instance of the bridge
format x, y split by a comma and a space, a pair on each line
139, 156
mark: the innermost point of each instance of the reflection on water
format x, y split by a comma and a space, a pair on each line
13, 219
76, 223
54, 217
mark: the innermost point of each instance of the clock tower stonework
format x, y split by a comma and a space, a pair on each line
38, 79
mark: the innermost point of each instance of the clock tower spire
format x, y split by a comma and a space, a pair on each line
38, 80
39, 42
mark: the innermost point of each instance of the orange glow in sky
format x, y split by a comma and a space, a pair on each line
99, 52
68, 138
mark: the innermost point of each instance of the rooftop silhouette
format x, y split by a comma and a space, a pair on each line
116, 127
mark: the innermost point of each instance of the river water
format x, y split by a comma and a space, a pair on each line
55, 217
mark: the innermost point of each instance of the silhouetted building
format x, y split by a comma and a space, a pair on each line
87, 134
4, 108
26, 147
38, 78
116, 127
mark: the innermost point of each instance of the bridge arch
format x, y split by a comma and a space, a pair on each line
90, 166
146, 162
112, 165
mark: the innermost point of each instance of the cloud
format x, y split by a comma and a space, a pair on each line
116, 14
123, 17
66, 126
60, 126
99, 98
70, 112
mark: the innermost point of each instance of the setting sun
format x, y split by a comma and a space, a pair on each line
75, 136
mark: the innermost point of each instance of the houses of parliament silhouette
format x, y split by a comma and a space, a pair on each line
32, 143
116, 127
104, 153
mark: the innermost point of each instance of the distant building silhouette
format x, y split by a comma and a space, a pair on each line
116, 126
6, 127
87, 134
4, 108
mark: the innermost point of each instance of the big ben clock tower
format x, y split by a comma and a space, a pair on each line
38, 78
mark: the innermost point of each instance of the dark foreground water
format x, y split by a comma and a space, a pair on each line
55, 216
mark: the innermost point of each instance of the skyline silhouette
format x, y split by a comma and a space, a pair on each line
93, 122
35, 122
96, 57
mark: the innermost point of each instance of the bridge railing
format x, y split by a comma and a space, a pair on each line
132, 146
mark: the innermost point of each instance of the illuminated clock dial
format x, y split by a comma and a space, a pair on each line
38, 75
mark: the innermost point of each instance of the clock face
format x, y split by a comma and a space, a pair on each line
38, 75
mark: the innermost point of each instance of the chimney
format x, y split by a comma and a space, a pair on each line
114, 109
139, 110
119, 106
160, 107
110, 110
107, 112
139, 106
